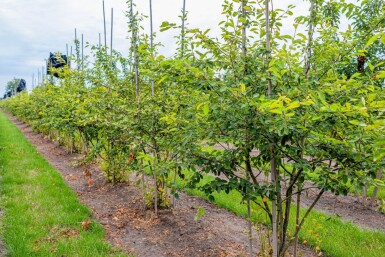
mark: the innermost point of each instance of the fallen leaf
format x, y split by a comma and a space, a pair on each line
89, 181
86, 224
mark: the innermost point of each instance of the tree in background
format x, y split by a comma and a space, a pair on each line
11, 87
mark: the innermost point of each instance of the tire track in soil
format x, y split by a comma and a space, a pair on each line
119, 208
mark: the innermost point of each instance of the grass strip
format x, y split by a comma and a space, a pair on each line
332, 235
42, 215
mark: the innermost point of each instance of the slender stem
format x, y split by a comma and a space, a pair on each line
77, 50
152, 46
268, 48
82, 52
100, 45
310, 39
297, 218
173, 196
183, 27
298, 228
133, 42
112, 27
155, 185
244, 30
273, 164
375, 190
105, 30
248, 164
250, 228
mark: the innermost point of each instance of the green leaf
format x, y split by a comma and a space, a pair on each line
370, 66
206, 109
381, 74
372, 39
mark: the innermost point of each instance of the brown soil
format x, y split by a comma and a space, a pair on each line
119, 208
349, 209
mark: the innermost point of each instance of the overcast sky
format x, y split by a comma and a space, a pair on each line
29, 30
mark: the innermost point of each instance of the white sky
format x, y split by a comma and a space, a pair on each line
29, 30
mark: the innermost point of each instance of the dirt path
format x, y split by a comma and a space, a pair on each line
348, 208
119, 208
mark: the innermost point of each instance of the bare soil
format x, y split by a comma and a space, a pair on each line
349, 209
119, 208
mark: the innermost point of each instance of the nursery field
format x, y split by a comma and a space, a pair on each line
181, 231
265, 140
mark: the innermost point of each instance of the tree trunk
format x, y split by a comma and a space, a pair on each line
250, 228
273, 164
375, 190
364, 194
297, 217
249, 170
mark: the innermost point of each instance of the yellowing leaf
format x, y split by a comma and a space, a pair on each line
242, 87
293, 105
308, 102
277, 111
372, 39
206, 109
290, 114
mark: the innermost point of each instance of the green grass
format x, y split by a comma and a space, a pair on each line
335, 237
42, 216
